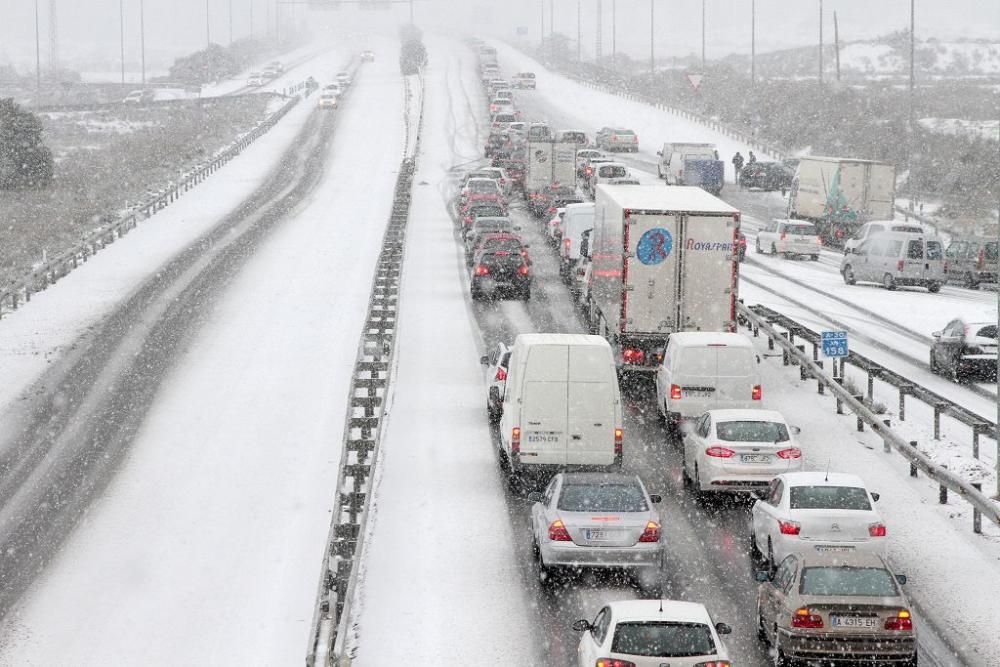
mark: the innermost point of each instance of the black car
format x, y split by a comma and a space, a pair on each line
501, 270
766, 176
964, 350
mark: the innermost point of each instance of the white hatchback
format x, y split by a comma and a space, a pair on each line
652, 633
818, 512
739, 450
790, 238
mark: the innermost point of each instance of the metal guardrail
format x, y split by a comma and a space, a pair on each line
370, 386
761, 319
19, 291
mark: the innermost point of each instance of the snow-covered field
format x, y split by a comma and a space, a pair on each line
206, 547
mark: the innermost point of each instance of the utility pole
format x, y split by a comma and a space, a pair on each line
541, 23
579, 32
703, 36
652, 61
230, 21
121, 26
753, 43
599, 36
53, 37
821, 42
913, 50
614, 35
836, 42
142, 37
38, 51
208, 25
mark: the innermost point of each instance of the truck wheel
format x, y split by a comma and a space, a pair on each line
526, 294
934, 288
814, 258
760, 251
848, 274
970, 281
888, 282
774, 249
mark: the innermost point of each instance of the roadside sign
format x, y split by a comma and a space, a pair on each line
834, 343
695, 80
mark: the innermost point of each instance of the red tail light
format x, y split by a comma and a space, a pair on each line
789, 527
552, 210
482, 271
619, 435
675, 392
790, 453
715, 663
900, 264
783, 235
558, 532
567, 243
981, 262
631, 355
522, 270
719, 452
876, 530
613, 662
515, 440
501, 374
652, 532
805, 618
756, 393
589, 170
903, 621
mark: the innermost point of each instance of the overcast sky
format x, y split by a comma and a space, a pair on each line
89, 29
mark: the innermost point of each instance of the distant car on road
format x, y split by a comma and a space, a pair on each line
139, 97
598, 520
256, 79
327, 100
367, 56
789, 238
617, 139
524, 80
271, 71
577, 137
650, 633
501, 270
333, 89
870, 229
971, 260
496, 363
833, 607
344, 79
965, 350
766, 176
815, 512
896, 259
276, 66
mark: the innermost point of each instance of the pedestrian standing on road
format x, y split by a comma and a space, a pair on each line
738, 165
752, 159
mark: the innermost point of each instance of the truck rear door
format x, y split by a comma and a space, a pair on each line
592, 396
539, 165
564, 164
652, 245
708, 274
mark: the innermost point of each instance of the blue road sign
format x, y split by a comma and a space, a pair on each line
834, 343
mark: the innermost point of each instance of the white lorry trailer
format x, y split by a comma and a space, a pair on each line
841, 194
551, 169
663, 260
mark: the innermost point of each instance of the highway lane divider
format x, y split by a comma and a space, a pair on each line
368, 401
787, 334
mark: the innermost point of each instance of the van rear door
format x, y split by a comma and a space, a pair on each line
736, 377
544, 406
593, 407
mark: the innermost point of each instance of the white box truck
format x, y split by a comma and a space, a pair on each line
663, 260
562, 408
551, 168
841, 194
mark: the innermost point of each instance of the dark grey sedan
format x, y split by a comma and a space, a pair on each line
965, 350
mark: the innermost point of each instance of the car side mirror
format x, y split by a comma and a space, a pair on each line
582, 625
535, 497
876, 496
762, 576
795, 430
723, 629
660, 153
655, 498
484, 360
901, 579
758, 358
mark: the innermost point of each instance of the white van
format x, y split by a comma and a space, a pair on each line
703, 371
897, 258
577, 219
562, 408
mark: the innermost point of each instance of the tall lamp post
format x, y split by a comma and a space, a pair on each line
702, 35
579, 32
753, 43
121, 27
38, 51
652, 61
208, 25
142, 37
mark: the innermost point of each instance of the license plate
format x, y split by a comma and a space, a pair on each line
697, 394
860, 622
828, 548
597, 535
541, 437
755, 458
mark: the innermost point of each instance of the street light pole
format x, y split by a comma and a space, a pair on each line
142, 37
230, 21
579, 32
208, 25
38, 51
652, 62
614, 35
121, 26
703, 36
821, 42
753, 43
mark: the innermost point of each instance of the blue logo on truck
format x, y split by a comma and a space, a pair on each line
654, 246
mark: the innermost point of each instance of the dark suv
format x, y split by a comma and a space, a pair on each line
500, 268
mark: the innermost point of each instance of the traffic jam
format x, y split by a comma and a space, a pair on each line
629, 254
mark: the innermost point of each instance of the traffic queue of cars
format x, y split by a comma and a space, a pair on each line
272, 70
330, 95
826, 590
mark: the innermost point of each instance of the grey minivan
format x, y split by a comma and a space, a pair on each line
971, 260
893, 259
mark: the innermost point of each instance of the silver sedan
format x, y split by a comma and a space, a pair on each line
597, 520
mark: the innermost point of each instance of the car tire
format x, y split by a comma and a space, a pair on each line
889, 282
493, 413
769, 563
526, 294
780, 659
699, 494
848, 274
761, 632
755, 555
774, 249
760, 251
970, 281
814, 258
932, 363
934, 288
